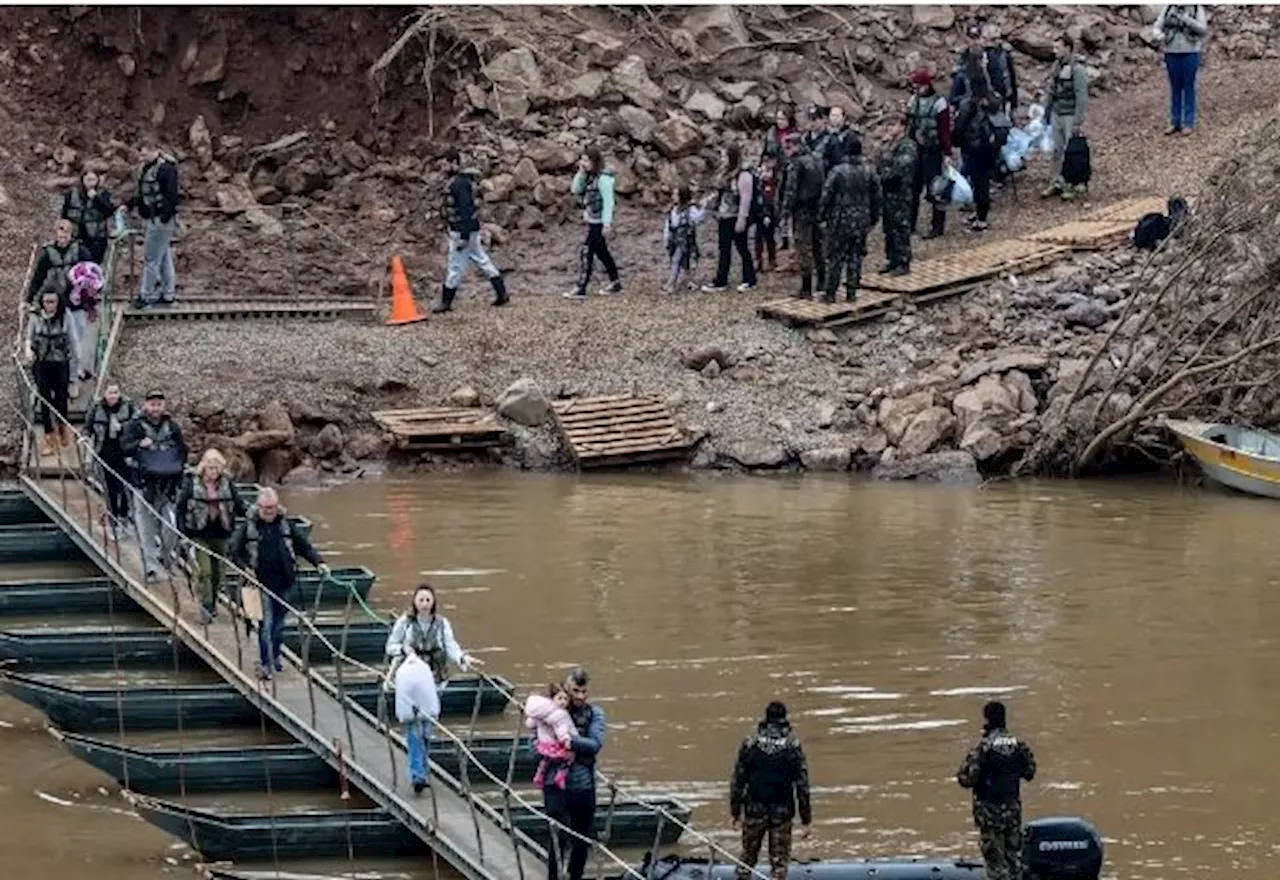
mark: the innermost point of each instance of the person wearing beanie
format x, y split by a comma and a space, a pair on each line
770, 784
994, 770
928, 121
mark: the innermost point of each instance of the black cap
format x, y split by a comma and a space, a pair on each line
155, 394
775, 712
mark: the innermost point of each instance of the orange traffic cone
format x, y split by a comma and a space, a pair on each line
403, 309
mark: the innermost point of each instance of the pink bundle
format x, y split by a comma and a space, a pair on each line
86, 281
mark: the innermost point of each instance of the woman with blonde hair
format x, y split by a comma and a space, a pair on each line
207, 510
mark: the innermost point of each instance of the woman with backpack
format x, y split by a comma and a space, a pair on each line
593, 184
735, 189
1183, 29
976, 137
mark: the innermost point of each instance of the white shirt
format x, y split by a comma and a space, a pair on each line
416, 689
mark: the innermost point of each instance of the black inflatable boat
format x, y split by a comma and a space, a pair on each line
1058, 848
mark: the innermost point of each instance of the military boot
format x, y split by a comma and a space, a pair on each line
500, 297
446, 300
806, 287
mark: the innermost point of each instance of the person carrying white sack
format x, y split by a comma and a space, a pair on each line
418, 709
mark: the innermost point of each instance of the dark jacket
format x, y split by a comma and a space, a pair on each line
771, 776
99, 424
972, 131
159, 468
246, 550
802, 187
459, 209
1001, 76
995, 768
195, 520
55, 259
590, 723
166, 207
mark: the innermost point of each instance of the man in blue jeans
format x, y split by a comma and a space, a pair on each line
574, 806
155, 198
266, 544
1183, 29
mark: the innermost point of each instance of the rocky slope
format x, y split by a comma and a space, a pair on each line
308, 139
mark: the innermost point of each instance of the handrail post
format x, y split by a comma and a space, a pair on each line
342, 661
465, 778
603, 843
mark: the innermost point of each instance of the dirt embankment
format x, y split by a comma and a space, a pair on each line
527, 87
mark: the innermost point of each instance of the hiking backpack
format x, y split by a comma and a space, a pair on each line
996, 128
1152, 229
756, 212
1076, 168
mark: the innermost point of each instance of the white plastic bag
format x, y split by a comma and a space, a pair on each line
961, 191
1014, 152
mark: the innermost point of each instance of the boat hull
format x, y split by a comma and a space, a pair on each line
266, 768
332, 590
64, 597
1224, 454
201, 705
37, 542
16, 508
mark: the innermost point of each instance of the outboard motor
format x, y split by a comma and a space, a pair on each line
1062, 848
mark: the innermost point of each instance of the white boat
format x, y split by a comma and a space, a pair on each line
1245, 459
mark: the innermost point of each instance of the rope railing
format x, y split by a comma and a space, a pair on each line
85, 455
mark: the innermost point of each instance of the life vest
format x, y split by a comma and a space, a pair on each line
452, 213
197, 517
100, 419
922, 120
593, 199
1062, 89
61, 260
1000, 769
428, 643
253, 537
683, 233
50, 341
87, 216
148, 185
770, 767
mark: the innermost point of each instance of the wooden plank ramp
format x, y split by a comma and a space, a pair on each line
466, 832
444, 429
242, 310
619, 430
794, 312
1128, 211
963, 270
1085, 235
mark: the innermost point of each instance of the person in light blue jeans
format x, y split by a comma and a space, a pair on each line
155, 198
1183, 29
417, 708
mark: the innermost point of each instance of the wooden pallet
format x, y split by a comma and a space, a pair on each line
1085, 235
619, 430
1129, 211
815, 313
964, 270
442, 429
240, 310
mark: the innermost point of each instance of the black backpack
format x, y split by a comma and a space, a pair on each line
1151, 230
997, 126
999, 63
756, 211
1076, 167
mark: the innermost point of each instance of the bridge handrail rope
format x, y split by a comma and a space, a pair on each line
613, 785
84, 451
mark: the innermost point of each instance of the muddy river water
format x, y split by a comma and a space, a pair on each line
1129, 626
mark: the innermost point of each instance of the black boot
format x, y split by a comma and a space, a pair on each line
446, 300
500, 297
806, 287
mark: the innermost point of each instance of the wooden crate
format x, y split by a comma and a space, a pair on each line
1129, 211
619, 430
441, 429
1085, 235
240, 310
815, 313
963, 270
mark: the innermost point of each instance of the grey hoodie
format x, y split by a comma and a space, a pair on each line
1184, 28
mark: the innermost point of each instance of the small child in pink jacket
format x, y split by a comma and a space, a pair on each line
548, 719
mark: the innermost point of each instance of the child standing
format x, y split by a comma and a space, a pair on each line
548, 718
766, 226
680, 236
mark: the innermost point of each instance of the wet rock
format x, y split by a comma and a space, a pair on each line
757, 453
631, 78
982, 441
638, 123
988, 398
938, 18
466, 396
828, 458
697, 358
367, 445
328, 443
677, 137
524, 403
274, 464
935, 467
927, 430
896, 414
1090, 313
302, 475
707, 104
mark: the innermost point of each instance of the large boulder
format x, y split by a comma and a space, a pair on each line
524, 403
1035, 40
896, 414
702, 101
827, 458
1026, 360
716, 28
328, 443
677, 137
935, 467
927, 430
516, 78
757, 452
988, 399
638, 123
938, 18
631, 78
548, 156
982, 441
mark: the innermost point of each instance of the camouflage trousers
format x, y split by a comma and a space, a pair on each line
754, 831
846, 246
1000, 831
897, 228
808, 238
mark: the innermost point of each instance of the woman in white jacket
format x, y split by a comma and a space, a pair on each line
429, 635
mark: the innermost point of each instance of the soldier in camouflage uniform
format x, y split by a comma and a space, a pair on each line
897, 174
994, 769
850, 209
770, 781
462, 223
801, 198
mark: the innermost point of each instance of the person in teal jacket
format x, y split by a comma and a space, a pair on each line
594, 185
